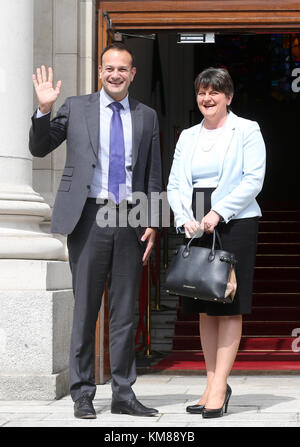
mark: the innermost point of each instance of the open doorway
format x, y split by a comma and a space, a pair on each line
262, 66
264, 71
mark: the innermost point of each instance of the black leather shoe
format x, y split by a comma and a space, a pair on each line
83, 408
218, 412
132, 407
195, 409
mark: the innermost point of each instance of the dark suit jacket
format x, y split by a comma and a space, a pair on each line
78, 122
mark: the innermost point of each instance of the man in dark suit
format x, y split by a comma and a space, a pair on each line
112, 140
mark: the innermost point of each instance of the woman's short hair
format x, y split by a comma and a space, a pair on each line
217, 78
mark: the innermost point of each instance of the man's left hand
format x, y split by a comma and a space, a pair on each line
149, 236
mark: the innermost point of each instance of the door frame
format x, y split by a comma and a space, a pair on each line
218, 16
102, 358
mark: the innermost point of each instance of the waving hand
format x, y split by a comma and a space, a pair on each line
46, 94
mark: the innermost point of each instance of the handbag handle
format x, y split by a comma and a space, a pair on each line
211, 256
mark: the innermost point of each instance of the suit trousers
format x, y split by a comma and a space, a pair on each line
95, 255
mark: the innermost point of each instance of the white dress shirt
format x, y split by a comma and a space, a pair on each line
99, 185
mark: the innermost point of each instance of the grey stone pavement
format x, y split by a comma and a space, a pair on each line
256, 401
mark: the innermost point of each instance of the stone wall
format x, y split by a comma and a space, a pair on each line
64, 38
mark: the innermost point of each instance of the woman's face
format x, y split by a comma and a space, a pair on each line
212, 104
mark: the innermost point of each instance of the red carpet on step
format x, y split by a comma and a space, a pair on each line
268, 342
193, 361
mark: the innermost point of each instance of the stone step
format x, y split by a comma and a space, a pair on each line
161, 332
166, 318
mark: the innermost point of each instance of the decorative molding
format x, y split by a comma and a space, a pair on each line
208, 14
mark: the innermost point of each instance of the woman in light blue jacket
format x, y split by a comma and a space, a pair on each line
223, 160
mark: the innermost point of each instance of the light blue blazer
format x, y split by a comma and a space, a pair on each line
242, 160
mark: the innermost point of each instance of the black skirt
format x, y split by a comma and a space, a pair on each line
238, 236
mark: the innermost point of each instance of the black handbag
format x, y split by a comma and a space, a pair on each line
202, 273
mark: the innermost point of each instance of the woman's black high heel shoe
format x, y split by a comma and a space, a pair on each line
195, 409
216, 413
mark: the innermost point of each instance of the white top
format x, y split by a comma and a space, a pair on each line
205, 161
242, 161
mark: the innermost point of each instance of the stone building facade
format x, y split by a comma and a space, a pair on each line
36, 301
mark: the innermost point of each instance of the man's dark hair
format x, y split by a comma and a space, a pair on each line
120, 47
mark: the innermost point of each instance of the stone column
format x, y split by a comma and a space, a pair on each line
36, 314
21, 208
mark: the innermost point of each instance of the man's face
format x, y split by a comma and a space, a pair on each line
116, 73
